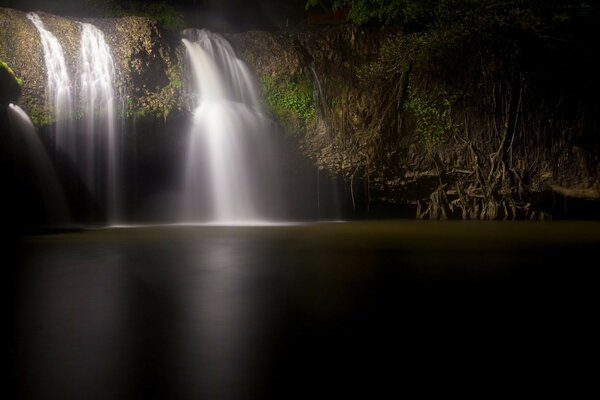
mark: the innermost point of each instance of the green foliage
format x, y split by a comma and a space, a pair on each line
176, 83
433, 117
8, 69
531, 16
174, 76
384, 12
133, 108
397, 54
40, 117
288, 98
164, 11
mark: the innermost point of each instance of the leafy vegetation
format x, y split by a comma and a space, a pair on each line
9, 70
40, 117
490, 79
433, 117
385, 12
418, 15
163, 11
288, 98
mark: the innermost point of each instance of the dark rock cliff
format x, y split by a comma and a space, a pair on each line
405, 142
148, 70
506, 145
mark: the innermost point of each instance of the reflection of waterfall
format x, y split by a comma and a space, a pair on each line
228, 171
27, 142
58, 95
100, 152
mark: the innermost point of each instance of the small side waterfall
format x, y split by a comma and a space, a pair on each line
59, 89
26, 141
100, 150
96, 149
318, 92
229, 165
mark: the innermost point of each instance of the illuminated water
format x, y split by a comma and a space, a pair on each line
94, 145
26, 142
230, 167
59, 99
373, 309
101, 150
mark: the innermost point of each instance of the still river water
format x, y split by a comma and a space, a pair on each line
304, 311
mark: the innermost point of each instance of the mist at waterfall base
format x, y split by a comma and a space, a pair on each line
224, 162
35, 170
229, 149
86, 150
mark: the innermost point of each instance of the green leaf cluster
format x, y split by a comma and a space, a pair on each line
534, 16
40, 117
383, 12
433, 117
164, 11
288, 98
8, 69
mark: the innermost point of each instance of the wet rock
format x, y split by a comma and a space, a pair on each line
148, 71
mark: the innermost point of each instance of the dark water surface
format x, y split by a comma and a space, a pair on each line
309, 311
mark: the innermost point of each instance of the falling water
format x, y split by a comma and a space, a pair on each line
100, 152
318, 91
229, 163
28, 143
58, 95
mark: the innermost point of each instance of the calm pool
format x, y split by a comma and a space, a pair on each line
304, 311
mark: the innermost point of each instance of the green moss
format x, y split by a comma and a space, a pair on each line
174, 75
433, 118
8, 69
162, 11
40, 117
157, 104
133, 108
289, 99
176, 83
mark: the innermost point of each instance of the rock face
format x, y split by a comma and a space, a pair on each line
325, 62
148, 76
406, 141
389, 145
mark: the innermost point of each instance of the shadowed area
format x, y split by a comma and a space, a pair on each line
302, 311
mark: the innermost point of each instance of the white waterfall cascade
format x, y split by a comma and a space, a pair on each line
59, 98
100, 150
229, 164
28, 143
95, 150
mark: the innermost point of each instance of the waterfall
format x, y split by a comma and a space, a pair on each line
100, 152
318, 92
58, 94
229, 168
26, 141
95, 150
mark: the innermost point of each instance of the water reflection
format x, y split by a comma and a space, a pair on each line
71, 321
220, 306
296, 312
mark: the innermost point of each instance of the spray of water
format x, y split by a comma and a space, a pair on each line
96, 147
27, 142
59, 90
229, 163
100, 153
